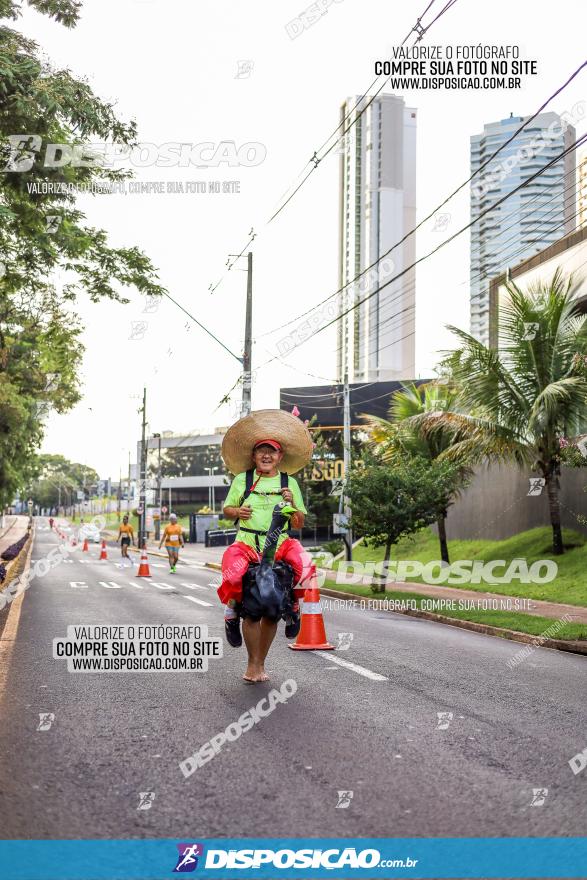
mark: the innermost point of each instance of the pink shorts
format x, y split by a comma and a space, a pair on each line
236, 560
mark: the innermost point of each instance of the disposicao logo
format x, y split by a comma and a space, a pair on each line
187, 860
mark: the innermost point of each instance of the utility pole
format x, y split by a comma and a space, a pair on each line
348, 538
128, 486
211, 489
119, 498
247, 357
159, 502
143, 475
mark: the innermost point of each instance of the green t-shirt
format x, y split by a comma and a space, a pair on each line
261, 504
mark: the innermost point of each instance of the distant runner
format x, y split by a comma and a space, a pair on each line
173, 537
126, 536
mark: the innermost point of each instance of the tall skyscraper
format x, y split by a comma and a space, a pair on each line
377, 208
536, 216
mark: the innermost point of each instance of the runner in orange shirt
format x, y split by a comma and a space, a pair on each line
126, 536
173, 537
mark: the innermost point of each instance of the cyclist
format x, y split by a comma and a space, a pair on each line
126, 536
173, 537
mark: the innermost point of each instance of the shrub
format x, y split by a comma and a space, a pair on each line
333, 547
13, 550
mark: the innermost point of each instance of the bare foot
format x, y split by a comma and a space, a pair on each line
255, 674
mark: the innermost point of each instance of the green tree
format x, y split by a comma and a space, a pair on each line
49, 254
404, 433
42, 232
519, 400
316, 479
54, 471
390, 502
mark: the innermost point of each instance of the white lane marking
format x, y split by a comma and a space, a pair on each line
80, 585
161, 585
110, 585
360, 670
138, 586
194, 586
214, 584
198, 601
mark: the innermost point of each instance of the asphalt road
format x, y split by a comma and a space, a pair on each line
116, 735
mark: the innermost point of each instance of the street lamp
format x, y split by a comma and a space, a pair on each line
211, 488
159, 500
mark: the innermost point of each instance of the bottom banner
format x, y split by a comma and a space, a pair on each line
507, 858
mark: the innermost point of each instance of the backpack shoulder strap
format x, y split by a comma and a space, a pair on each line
248, 483
284, 479
248, 486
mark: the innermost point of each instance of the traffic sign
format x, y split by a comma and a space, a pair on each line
337, 488
340, 524
140, 509
163, 510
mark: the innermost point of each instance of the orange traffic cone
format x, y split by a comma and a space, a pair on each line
85, 548
144, 571
312, 634
103, 554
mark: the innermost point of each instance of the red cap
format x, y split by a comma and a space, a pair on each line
272, 443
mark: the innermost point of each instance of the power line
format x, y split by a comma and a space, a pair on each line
390, 319
394, 317
411, 232
253, 235
205, 329
483, 275
504, 198
317, 159
524, 249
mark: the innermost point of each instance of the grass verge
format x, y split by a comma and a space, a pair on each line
526, 623
569, 585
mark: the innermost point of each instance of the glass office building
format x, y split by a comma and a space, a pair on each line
529, 220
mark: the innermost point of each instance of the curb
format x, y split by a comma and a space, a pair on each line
25, 554
13, 566
573, 647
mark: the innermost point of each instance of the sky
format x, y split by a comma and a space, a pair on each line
227, 70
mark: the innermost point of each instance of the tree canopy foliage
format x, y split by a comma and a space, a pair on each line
50, 255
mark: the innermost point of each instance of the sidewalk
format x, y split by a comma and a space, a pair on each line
13, 531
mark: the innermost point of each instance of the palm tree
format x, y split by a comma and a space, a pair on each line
518, 400
406, 432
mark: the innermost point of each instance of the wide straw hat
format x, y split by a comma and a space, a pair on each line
265, 424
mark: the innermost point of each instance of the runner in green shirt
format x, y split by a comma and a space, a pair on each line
263, 450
